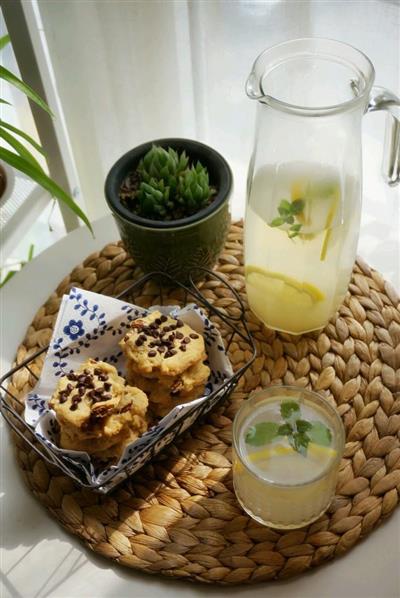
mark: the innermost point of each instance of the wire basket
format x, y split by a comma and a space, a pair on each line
12, 407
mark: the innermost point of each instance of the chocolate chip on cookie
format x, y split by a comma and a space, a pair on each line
161, 331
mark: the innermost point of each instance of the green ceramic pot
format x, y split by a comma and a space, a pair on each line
177, 247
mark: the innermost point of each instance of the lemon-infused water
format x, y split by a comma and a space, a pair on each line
301, 233
287, 444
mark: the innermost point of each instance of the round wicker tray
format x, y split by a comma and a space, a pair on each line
178, 516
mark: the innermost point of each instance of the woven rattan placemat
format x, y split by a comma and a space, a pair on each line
179, 516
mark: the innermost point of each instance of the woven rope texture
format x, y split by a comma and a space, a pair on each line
178, 516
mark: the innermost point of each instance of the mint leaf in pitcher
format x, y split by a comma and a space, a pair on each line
288, 211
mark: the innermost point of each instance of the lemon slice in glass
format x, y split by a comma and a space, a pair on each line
286, 286
315, 451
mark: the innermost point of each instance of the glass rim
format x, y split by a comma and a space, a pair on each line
298, 389
368, 76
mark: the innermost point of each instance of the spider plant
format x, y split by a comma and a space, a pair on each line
22, 158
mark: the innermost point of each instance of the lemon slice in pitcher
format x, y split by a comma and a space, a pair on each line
286, 286
328, 225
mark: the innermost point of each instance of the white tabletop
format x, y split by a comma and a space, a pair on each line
39, 558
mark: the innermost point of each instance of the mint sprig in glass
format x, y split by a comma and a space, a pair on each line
299, 432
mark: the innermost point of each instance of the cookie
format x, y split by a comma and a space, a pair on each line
182, 385
95, 393
94, 388
161, 345
70, 440
159, 394
100, 449
162, 409
115, 451
94, 408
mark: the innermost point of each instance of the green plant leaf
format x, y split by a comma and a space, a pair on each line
5, 102
303, 425
21, 149
30, 252
320, 434
283, 211
44, 181
297, 206
285, 430
299, 442
26, 89
262, 433
4, 40
277, 222
9, 275
288, 408
284, 203
22, 134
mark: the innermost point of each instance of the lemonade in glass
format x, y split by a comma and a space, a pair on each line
300, 241
287, 447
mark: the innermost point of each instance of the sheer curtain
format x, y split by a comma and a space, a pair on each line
130, 71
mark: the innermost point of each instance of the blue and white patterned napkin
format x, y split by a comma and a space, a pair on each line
90, 325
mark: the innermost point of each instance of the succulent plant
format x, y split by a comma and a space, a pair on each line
166, 187
153, 199
194, 189
161, 164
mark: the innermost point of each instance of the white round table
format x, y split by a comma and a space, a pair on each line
39, 559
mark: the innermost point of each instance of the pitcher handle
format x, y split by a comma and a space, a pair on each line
383, 99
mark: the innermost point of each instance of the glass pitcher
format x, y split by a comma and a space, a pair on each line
304, 183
